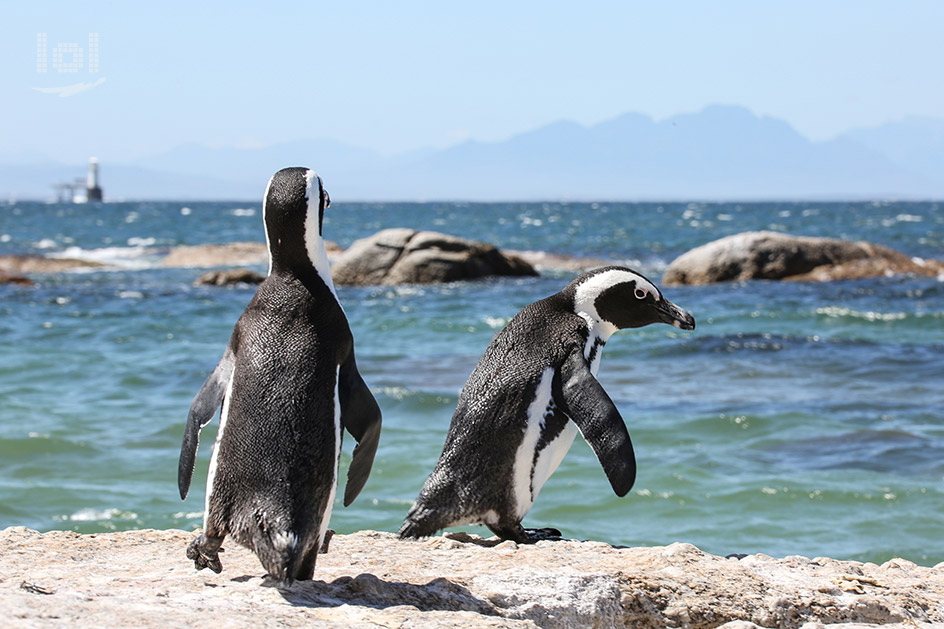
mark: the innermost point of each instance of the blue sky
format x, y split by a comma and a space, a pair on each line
397, 76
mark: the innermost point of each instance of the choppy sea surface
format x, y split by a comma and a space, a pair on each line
796, 419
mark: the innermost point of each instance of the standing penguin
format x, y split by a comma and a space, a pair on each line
534, 387
287, 383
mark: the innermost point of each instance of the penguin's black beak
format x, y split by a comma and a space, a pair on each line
673, 315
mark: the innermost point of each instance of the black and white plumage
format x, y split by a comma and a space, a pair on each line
521, 408
288, 383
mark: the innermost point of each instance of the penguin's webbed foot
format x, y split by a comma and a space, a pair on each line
205, 553
544, 534
326, 541
516, 533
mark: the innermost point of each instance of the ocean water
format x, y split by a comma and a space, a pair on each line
796, 419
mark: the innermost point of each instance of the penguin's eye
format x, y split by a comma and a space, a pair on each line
640, 293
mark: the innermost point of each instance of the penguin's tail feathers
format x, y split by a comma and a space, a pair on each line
286, 557
420, 523
412, 530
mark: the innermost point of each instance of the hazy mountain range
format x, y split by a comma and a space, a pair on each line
721, 152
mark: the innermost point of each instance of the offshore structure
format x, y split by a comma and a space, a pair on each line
68, 192
93, 191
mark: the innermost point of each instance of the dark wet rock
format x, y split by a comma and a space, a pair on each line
228, 277
407, 256
14, 278
372, 579
776, 256
27, 264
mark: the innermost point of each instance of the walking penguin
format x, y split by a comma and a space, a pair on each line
533, 389
287, 384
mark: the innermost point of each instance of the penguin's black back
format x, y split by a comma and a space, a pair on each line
276, 460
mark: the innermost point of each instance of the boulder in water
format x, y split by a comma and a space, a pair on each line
407, 256
774, 256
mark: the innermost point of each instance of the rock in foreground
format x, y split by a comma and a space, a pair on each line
141, 578
407, 256
774, 256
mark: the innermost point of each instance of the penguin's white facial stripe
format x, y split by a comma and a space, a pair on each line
592, 288
313, 194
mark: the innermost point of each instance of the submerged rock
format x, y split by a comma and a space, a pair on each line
775, 256
142, 578
228, 277
407, 256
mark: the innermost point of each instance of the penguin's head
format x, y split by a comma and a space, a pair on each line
293, 211
615, 297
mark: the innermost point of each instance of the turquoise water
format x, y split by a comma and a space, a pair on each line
796, 419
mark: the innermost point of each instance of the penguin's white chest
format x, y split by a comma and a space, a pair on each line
533, 468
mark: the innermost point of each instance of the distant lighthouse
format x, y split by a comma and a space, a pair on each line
93, 192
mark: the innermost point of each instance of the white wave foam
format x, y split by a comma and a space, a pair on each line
838, 312
96, 515
139, 256
134, 241
496, 323
243, 211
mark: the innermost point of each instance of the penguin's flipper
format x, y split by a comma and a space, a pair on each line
202, 410
360, 416
582, 398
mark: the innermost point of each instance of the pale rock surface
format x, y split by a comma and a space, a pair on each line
406, 256
230, 254
774, 256
207, 256
371, 579
28, 264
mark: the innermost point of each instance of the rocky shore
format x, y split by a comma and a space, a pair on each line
407, 256
371, 579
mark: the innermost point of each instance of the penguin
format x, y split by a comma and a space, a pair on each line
532, 391
286, 385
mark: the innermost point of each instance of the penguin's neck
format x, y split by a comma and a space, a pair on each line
598, 333
317, 254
